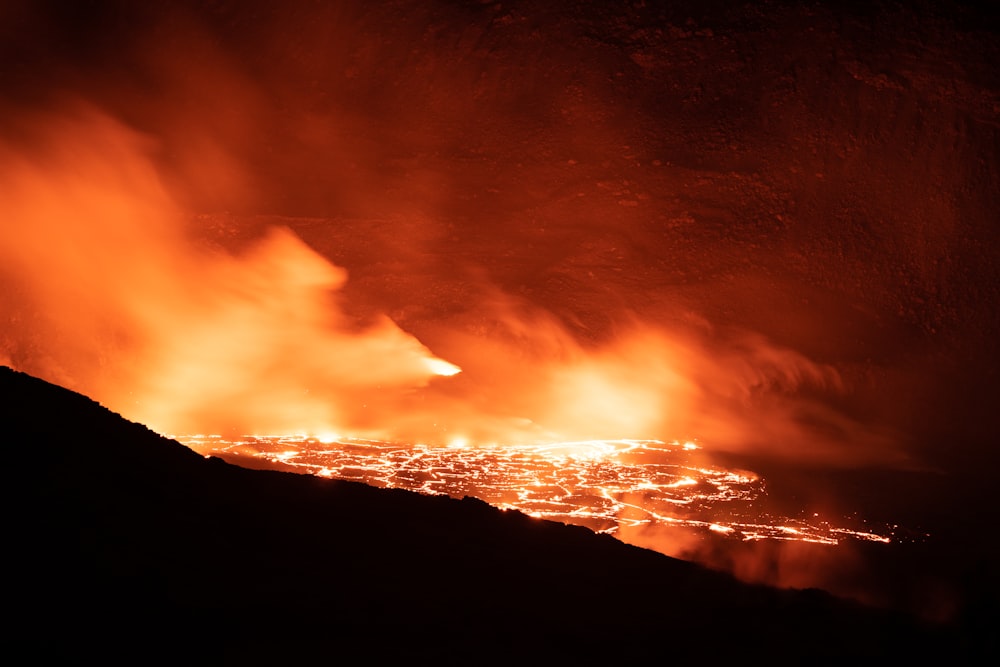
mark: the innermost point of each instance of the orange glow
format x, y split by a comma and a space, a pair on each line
177, 335
120, 301
442, 367
532, 381
622, 487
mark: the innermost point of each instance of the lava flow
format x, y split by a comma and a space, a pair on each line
605, 485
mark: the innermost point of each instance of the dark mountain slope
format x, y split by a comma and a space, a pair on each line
123, 544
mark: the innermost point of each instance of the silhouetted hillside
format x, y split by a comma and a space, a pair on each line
121, 543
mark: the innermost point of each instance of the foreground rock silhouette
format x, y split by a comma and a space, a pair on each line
124, 544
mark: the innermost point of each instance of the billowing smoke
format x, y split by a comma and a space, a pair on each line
115, 289
113, 297
527, 377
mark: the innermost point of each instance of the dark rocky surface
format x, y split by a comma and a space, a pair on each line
122, 544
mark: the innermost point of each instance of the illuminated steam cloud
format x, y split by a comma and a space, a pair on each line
531, 380
113, 299
109, 293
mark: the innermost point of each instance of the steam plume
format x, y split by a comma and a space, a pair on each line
116, 300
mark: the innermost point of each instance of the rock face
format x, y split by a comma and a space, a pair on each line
119, 541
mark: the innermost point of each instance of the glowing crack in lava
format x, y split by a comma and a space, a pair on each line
605, 485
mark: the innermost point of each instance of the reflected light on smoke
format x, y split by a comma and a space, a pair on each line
114, 300
529, 380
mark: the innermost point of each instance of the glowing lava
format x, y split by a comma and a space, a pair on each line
605, 485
